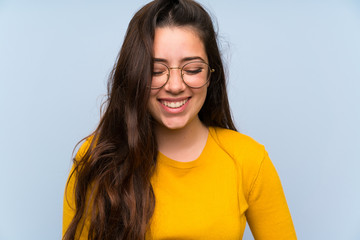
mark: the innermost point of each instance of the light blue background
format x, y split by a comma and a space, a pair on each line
294, 86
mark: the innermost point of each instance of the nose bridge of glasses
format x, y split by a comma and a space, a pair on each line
175, 80
175, 68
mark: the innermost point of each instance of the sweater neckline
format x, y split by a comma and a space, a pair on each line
163, 159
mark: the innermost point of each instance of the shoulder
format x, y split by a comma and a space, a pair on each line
238, 145
247, 154
76, 166
84, 147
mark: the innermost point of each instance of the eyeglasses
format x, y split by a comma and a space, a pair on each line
194, 74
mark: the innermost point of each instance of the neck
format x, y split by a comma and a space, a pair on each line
185, 144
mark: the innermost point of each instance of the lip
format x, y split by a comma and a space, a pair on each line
173, 100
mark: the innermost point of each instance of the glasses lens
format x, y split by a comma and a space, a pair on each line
196, 74
160, 75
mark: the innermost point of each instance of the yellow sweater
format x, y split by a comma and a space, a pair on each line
232, 181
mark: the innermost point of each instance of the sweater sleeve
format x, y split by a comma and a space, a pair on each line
69, 206
268, 215
69, 203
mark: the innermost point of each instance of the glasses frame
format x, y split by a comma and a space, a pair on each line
182, 74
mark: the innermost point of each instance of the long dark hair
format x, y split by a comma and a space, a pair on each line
112, 179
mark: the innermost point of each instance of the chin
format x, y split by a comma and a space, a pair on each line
173, 124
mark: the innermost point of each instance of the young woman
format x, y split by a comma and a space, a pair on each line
166, 161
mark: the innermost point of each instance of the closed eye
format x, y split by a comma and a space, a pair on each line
193, 71
158, 73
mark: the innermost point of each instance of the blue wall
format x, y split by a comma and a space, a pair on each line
294, 86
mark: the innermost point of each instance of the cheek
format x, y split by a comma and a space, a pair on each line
201, 97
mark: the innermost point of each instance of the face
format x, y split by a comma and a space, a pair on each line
176, 105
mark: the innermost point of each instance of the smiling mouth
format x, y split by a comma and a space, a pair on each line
172, 104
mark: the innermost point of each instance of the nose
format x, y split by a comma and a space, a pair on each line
175, 83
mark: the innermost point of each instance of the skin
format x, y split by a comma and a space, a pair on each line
180, 134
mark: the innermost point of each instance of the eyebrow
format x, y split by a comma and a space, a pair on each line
182, 60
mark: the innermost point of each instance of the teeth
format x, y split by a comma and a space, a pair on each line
174, 104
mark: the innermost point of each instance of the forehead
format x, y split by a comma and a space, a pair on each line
176, 43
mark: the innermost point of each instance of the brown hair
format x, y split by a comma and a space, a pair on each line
114, 173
